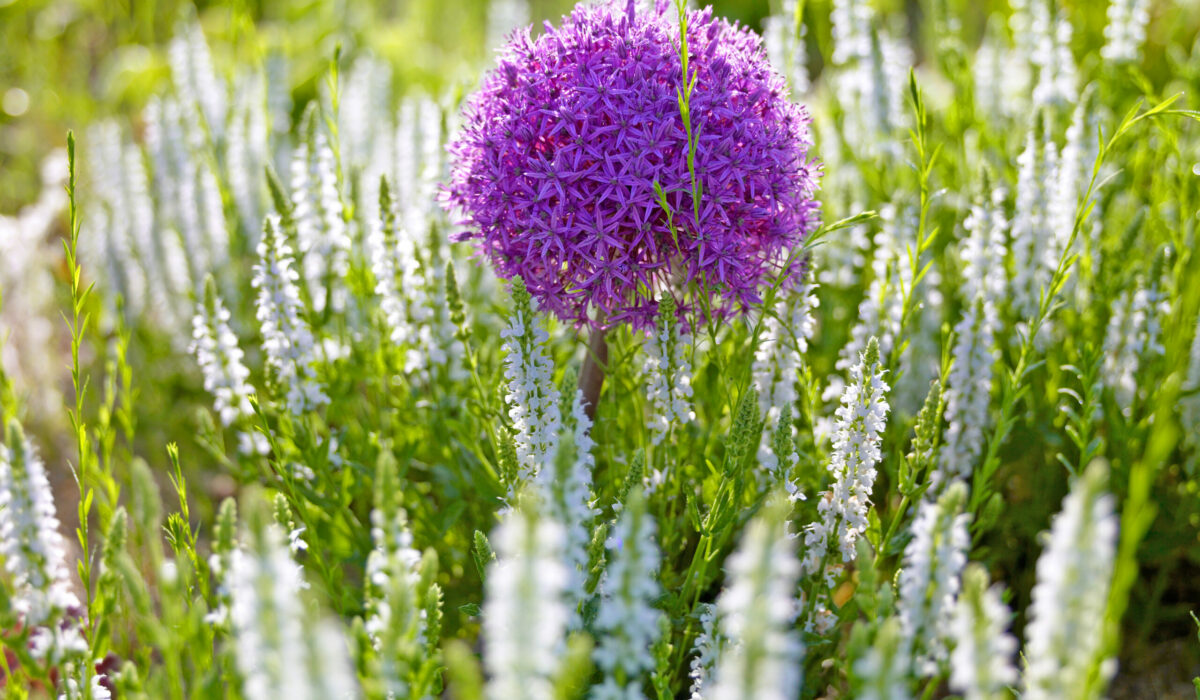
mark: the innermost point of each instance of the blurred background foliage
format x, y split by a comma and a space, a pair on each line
66, 62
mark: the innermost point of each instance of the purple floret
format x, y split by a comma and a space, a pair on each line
554, 171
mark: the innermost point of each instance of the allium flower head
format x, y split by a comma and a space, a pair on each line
565, 147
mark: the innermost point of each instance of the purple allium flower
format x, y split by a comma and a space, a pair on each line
555, 170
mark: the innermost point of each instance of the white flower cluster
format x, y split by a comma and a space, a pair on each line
627, 623
72, 684
968, 390
123, 221
145, 266
881, 672
850, 22
524, 617
247, 151
503, 18
880, 310
194, 77
870, 80
778, 360
225, 375
532, 398
33, 551
184, 256
705, 652
188, 190
861, 420
401, 287
280, 655
1051, 55
668, 373
762, 656
1074, 172
1002, 76
981, 665
408, 257
396, 621
392, 563
1133, 335
365, 120
566, 492
871, 90
28, 282
1033, 242
1064, 639
929, 580
321, 232
1126, 30
783, 36
287, 339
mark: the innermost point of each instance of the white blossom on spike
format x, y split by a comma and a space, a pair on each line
524, 617
981, 665
763, 654
1064, 639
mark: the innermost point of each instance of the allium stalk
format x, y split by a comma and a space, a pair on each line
668, 373
603, 215
532, 397
524, 617
287, 339
1064, 640
34, 552
627, 623
981, 665
763, 653
929, 580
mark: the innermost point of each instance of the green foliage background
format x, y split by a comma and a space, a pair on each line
81, 59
